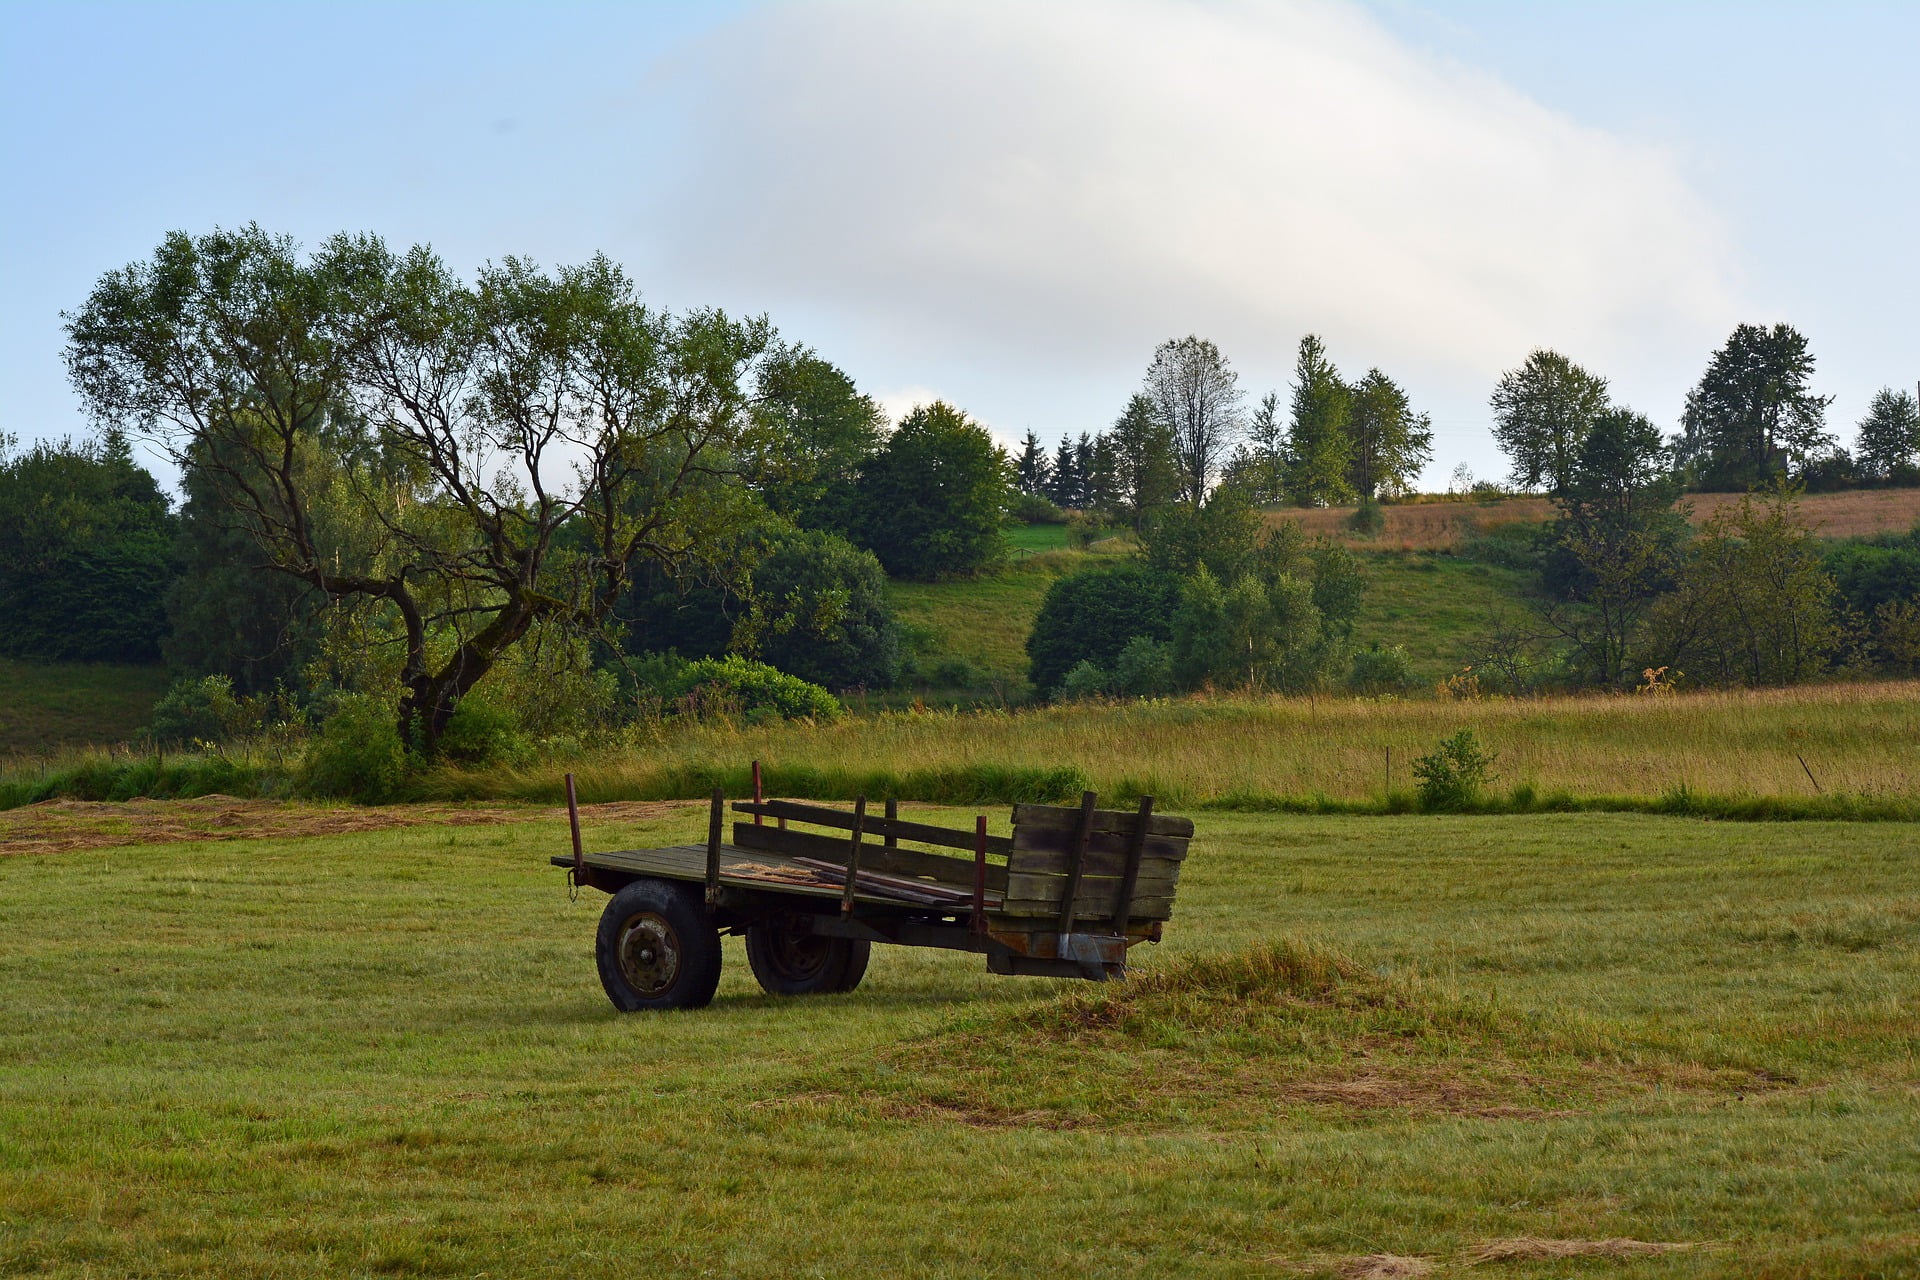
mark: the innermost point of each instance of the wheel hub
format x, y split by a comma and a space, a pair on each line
649, 953
801, 956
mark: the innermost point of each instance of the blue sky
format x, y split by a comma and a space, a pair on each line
1009, 204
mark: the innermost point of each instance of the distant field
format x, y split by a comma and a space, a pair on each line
1497, 1047
1435, 606
45, 706
1440, 526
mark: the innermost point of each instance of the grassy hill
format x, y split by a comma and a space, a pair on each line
48, 705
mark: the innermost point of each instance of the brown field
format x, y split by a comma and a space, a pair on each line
1441, 526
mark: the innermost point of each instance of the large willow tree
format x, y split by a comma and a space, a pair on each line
477, 458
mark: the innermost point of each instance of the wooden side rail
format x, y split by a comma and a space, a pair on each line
820, 815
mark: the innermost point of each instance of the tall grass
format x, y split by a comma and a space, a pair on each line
1840, 751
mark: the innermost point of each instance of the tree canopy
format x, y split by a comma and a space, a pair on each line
932, 502
1753, 415
1196, 394
384, 430
1541, 413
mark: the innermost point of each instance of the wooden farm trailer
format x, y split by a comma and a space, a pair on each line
812, 887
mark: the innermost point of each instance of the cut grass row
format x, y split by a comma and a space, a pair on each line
387, 1054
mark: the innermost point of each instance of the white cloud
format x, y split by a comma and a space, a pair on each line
994, 194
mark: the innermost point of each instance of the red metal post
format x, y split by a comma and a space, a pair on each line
573, 821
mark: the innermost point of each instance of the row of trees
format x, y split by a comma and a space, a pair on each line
1186, 430
1753, 418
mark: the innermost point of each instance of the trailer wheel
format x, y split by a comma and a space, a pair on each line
788, 963
657, 949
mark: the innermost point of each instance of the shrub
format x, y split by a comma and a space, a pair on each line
752, 689
954, 673
202, 710
932, 502
1452, 777
1143, 669
1367, 519
821, 613
1378, 671
1084, 529
1090, 616
481, 730
1084, 681
358, 755
1034, 508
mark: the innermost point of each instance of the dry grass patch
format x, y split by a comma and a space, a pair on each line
59, 826
1533, 1249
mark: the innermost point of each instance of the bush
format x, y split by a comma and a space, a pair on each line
1378, 671
821, 613
1452, 777
1144, 669
358, 755
1084, 681
755, 690
1034, 508
481, 731
954, 673
1367, 519
1092, 615
203, 710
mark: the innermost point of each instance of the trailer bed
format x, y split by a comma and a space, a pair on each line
755, 869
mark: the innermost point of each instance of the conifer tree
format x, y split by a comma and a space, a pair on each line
1320, 442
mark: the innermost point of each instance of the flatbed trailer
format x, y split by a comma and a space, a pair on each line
813, 887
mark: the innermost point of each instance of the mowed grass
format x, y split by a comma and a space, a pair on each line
386, 1054
1443, 526
1437, 607
46, 706
1819, 743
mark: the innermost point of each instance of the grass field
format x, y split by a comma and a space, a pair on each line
1443, 526
1369, 1047
45, 706
1848, 746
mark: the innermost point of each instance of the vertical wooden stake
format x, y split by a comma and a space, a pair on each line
978, 924
714, 816
892, 841
573, 821
853, 853
756, 793
1075, 857
1130, 877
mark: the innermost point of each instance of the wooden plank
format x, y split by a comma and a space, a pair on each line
906, 862
1047, 815
1130, 879
688, 862
1076, 856
1053, 862
853, 854
1145, 907
1057, 839
901, 828
1092, 888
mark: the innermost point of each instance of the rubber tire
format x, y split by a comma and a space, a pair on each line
681, 909
840, 969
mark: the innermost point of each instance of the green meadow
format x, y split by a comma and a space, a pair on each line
1606, 1045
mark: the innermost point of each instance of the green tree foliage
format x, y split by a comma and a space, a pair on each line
1753, 605
820, 612
504, 451
1146, 473
1091, 616
359, 754
228, 613
1391, 443
818, 430
734, 685
1223, 533
85, 553
1889, 443
1260, 467
1320, 437
1196, 397
1753, 416
1616, 543
933, 500
1032, 471
1541, 413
